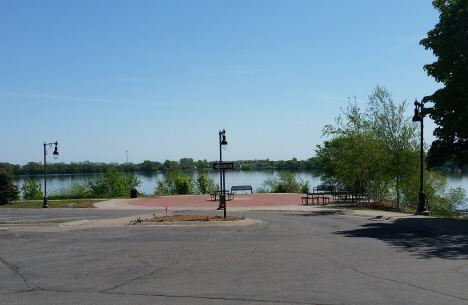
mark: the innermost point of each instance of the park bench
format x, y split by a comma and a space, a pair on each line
241, 188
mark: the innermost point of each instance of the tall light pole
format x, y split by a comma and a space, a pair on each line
418, 117
222, 195
55, 154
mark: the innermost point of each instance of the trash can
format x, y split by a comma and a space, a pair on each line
133, 193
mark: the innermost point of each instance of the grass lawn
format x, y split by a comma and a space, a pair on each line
63, 203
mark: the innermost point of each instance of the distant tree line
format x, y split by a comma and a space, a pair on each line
87, 167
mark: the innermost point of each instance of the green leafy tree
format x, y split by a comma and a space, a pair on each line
396, 133
372, 150
31, 189
449, 43
359, 160
113, 184
8, 190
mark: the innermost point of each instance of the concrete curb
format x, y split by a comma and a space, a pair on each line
244, 222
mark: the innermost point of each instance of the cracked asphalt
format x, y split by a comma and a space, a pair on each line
286, 257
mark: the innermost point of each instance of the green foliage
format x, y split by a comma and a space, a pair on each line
179, 183
174, 183
448, 205
72, 191
183, 185
113, 184
284, 182
204, 185
8, 190
32, 190
449, 43
371, 151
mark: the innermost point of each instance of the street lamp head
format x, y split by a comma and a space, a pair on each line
55, 154
224, 143
416, 117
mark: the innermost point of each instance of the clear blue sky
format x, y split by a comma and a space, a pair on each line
159, 79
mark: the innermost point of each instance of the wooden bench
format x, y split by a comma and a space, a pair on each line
241, 188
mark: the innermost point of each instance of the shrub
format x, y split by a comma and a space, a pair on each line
448, 204
204, 185
8, 190
183, 185
113, 184
174, 183
71, 191
32, 190
285, 182
178, 183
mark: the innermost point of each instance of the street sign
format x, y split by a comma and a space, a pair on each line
224, 165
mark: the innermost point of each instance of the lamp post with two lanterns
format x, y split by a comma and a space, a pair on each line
55, 154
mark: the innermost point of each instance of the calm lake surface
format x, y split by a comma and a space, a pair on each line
234, 177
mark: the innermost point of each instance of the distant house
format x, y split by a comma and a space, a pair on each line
259, 165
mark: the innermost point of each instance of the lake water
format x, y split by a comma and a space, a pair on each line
234, 177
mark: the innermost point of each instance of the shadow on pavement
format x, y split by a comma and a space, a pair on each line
424, 237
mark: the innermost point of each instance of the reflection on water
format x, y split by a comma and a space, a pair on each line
234, 177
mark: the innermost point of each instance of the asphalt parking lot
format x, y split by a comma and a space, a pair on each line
284, 257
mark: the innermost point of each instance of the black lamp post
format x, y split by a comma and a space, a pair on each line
55, 154
222, 196
418, 117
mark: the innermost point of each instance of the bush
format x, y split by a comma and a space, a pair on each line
71, 191
448, 205
112, 184
178, 183
173, 183
8, 190
32, 190
205, 185
285, 182
183, 185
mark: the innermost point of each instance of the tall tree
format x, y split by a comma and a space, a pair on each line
398, 135
449, 43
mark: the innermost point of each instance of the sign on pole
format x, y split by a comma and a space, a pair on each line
224, 165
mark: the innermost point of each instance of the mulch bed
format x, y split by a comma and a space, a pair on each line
176, 218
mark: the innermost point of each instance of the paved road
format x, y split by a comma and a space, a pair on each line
313, 257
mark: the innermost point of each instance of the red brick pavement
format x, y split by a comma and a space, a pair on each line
240, 200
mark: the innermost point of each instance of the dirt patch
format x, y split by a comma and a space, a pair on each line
84, 205
382, 205
180, 218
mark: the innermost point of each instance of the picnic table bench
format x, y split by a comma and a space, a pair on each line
312, 197
229, 196
241, 188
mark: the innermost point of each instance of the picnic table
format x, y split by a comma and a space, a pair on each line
315, 197
228, 195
